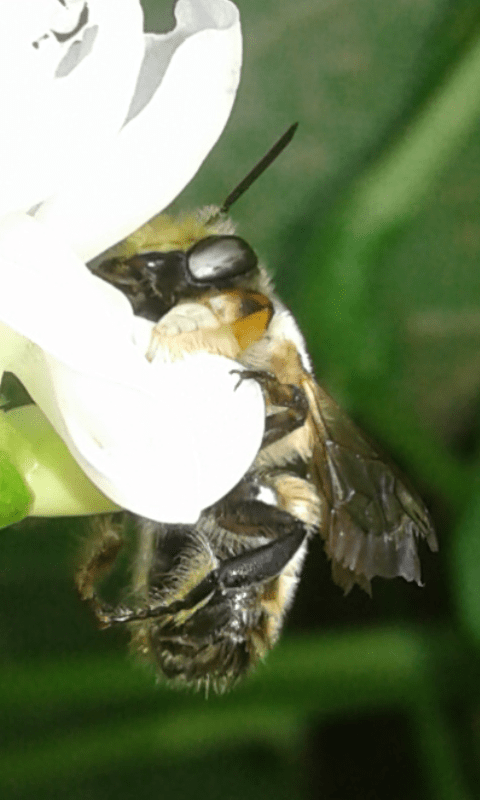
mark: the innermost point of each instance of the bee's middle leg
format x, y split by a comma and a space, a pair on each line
288, 397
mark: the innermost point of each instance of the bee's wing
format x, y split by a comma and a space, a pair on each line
374, 519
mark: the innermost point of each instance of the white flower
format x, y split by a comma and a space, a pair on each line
101, 128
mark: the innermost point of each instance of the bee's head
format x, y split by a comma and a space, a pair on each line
155, 281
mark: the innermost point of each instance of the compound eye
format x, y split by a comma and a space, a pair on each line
218, 258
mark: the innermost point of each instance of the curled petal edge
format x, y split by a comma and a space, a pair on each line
162, 147
73, 112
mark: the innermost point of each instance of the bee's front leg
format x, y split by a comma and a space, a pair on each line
288, 397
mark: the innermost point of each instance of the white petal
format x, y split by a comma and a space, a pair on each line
163, 145
166, 451
12, 347
49, 296
67, 76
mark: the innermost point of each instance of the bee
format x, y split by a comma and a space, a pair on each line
207, 601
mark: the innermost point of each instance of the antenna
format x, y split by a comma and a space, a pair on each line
259, 168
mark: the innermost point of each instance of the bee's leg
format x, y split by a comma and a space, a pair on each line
101, 550
281, 423
253, 517
252, 567
119, 615
248, 512
265, 562
210, 602
287, 396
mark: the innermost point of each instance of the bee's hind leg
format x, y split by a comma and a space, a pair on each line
249, 568
100, 552
263, 563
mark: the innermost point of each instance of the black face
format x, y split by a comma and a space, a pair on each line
154, 282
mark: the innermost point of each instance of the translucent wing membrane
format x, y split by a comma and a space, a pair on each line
375, 520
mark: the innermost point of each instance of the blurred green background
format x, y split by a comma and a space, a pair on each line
370, 221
